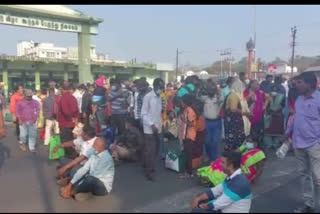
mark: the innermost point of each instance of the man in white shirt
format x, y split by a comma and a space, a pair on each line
232, 196
69, 167
95, 177
152, 122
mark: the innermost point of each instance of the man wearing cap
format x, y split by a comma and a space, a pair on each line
27, 112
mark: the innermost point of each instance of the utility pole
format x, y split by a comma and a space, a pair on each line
223, 53
220, 62
231, 59
177, 61
293, 31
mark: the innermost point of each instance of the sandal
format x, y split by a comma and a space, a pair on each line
186, 176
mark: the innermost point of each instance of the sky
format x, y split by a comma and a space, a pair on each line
153, 32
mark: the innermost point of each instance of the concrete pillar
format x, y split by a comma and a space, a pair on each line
5, 80
37, 79
84, 67
164, 76
249, 67
65, 73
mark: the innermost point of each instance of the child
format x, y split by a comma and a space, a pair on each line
170, 126
77, 132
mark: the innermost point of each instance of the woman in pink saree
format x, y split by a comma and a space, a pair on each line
257, 102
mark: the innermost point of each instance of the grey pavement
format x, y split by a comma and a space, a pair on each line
28, 185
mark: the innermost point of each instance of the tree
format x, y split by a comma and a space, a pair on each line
278, 61
240, 66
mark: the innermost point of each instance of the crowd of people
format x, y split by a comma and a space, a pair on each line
114, 121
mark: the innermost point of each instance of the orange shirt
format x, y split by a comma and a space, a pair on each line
15, 98
201, 124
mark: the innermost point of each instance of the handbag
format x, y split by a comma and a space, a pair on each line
53, 142
175, 159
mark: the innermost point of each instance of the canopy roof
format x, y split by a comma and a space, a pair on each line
59, 11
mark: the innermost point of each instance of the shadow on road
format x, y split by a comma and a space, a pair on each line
44, 190
4, 154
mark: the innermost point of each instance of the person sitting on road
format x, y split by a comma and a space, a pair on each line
129, 145
252, 162
232, 196
68, 167
95, 177
77, 134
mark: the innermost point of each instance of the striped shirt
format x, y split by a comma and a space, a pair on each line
140, 102
232, 196
120, 104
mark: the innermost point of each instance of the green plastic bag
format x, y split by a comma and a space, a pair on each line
8, 117
53, 142
175, 158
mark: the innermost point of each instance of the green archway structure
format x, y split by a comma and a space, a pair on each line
55, 18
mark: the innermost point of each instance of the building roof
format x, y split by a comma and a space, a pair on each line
59, 11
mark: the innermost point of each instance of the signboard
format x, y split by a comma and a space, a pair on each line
254, 67
37, 22
165, 67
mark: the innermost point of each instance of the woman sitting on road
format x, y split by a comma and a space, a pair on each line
252, 162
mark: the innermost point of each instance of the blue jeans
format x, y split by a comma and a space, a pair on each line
213, 137
28, 133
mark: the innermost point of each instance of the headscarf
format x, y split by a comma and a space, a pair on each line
101, 81
238, 88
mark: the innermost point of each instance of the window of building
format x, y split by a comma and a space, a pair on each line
50, 54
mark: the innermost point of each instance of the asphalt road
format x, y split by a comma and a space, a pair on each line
28, 185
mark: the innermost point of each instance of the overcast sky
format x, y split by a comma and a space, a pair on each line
153, 32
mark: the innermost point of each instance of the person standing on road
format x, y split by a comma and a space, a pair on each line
234, 117
232, 196
143, 89
243, 78
227, 89
257, 101
212, 106
27, 112
86, 106
120, 101
15, 98
274, 117
266, 84
306, 138
99, 103
151, 117
68, 114
50, 109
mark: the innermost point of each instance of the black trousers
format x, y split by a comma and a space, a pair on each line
67, 135
188, 151
18, 129
119, 121
91, 184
